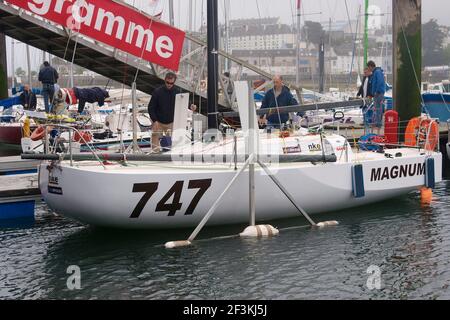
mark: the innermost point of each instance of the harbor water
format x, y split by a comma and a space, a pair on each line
398, 249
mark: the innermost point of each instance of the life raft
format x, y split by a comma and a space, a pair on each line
38, 133
71, 98
82, 137
422, 132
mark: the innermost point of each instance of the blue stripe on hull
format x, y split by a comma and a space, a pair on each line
12, 173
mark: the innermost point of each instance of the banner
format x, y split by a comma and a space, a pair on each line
116, 25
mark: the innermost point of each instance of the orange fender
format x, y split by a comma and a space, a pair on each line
38, 133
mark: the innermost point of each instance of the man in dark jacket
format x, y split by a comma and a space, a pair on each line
279, 96
90, 95
378, 88
48, 76
162, 108
28, 98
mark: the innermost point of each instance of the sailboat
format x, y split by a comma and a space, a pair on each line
177, 189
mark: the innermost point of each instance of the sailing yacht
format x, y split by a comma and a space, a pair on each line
320, 171
175, 194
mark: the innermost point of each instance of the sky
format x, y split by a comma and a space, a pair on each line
316, 10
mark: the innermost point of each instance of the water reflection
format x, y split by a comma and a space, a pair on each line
409, 243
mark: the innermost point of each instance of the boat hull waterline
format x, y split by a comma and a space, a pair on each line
164, 197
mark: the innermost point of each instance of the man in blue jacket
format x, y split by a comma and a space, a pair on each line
378, 87
279, 96
90, 95
48, 76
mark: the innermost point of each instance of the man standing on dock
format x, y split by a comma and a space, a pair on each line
162, 108
48, 76
378, 88
279, 96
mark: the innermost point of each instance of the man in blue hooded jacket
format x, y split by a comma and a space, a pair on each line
378, 87
279, 96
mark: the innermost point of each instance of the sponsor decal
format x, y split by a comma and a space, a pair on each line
114, 24
315, 147
55, 190
296, 149
53, 180
397, 172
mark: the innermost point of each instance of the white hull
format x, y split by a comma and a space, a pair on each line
105, 197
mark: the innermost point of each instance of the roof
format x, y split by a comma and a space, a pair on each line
338, 25
254, 22
271, 52
251, 30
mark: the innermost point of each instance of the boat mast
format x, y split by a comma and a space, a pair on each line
12, 64
227, 32
29, 66
3, 68
366, 32
171, 15
213, 62
190, 29
322, 66
297, 78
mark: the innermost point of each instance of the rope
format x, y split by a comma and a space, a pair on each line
73, 59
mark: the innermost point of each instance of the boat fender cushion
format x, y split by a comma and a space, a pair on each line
430, 180
358, 181
165, 143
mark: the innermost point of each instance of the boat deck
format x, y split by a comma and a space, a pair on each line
137, 167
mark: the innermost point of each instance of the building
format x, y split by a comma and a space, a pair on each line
344, 61
338, 29
280, 61
258, 34
446, 31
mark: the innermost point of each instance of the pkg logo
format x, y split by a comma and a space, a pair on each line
314, 147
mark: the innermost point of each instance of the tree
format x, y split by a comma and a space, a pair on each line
432, 40
20, 72
447, 55
314, 32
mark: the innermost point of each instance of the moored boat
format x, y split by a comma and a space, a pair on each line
172, 195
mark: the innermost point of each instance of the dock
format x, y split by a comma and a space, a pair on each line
18, 194
19, 188
15, 165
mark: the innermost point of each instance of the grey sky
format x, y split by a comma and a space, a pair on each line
316, 10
